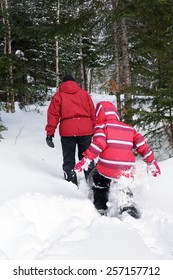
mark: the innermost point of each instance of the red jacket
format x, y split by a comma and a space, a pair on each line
114, 141
73, 109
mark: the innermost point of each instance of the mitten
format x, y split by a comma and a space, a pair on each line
49, 141
154, 168
82, 164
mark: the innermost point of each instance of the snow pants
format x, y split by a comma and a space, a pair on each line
69, 146
100, 186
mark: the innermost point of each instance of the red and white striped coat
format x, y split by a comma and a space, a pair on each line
114, 143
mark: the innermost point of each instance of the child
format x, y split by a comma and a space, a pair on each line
113, 142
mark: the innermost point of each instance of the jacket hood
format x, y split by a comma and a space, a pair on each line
69, 87
105, 111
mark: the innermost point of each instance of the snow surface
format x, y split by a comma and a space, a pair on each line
44, 217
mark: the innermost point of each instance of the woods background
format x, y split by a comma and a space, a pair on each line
109, 46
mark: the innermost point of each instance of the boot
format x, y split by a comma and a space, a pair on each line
131, 210
71, 177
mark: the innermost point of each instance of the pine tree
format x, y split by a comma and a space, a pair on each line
153, 72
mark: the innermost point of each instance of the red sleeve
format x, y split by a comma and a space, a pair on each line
98, 143
53, 114
142, 148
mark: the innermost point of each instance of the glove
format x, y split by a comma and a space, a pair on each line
154, 168
49, 141
82, 165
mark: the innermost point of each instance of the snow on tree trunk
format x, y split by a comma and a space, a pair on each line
81, 62
89, 79
126, 66
126, 61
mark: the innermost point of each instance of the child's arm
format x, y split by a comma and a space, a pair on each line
143, 149
98, 143
96, 147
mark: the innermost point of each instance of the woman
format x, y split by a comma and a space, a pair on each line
72, 108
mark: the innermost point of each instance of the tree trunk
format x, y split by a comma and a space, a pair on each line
10, 103
126, 61
117, 65
116, 54
57, 48
126, 72
89, 79
81, 62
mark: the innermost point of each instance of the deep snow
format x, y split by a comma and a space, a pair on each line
43, 217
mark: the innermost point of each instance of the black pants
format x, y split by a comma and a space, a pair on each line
69, 145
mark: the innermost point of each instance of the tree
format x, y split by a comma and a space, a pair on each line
153, 68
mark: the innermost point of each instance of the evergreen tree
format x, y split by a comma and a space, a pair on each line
153, 71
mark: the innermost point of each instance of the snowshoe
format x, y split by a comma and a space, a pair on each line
131, 210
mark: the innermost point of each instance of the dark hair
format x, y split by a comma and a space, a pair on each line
68, 78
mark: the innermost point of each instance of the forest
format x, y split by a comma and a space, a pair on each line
109, 46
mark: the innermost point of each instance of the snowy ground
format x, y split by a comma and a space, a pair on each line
43, 217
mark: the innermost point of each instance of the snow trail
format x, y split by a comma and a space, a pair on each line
46, 217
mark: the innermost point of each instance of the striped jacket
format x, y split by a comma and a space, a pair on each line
114, 143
